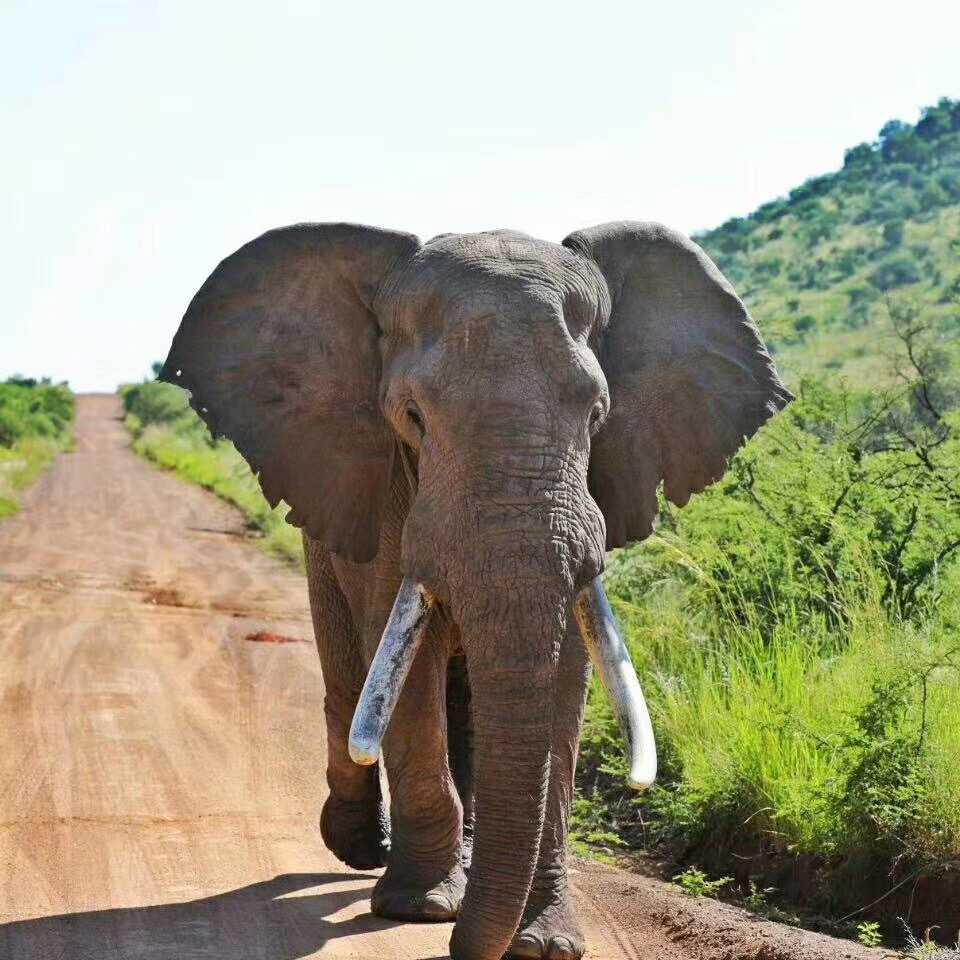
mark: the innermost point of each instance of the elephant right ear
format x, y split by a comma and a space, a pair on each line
690, 378
279, 350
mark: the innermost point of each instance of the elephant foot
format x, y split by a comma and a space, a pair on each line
434, 896
549, 929
355, 832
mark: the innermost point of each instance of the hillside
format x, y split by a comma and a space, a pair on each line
818, 266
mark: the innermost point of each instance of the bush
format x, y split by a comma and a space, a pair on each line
895, 271
156, 403
893, 233
933, 195
35, 421
31, 409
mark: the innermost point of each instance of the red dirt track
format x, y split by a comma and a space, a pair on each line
161, 777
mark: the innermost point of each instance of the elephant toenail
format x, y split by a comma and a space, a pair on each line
561, 949
437, 907
526, 945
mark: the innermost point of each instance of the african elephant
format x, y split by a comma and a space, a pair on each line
461, 428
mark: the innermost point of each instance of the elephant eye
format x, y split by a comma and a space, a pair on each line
596, 416
415, 417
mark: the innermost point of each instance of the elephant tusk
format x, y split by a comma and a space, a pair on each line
611, 659
399, 644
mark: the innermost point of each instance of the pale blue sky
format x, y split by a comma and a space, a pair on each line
144, 141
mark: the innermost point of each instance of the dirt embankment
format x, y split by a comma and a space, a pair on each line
161, 774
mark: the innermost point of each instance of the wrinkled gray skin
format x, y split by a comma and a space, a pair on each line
485, 414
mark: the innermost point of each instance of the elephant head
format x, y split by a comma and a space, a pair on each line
538, 395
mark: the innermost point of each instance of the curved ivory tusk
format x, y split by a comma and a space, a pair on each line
399, 644
611, 660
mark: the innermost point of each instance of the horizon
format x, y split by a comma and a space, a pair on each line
149, 144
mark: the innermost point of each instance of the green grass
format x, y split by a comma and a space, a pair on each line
35, 425
797, 638
167, 432
20, 465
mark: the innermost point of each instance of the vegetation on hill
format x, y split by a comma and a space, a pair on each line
817, 266
35, 422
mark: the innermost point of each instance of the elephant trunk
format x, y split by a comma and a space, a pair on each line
512, 680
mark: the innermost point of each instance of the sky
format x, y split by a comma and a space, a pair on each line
145, 141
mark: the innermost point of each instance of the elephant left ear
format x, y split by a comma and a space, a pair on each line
280, 352
690, 378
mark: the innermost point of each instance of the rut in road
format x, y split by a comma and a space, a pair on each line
161, 777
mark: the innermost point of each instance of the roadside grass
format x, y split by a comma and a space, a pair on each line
166, 431
807, 713
928, 949
789, 743
20, 465
35, 425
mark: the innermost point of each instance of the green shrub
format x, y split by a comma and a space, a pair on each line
893, 233
31, 409
895, 271
696, 883
35, 424
155, 402
868, 933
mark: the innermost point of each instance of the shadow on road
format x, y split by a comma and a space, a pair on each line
257, 922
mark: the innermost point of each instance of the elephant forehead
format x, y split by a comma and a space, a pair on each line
457, 277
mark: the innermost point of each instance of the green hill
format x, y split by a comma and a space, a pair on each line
817, 267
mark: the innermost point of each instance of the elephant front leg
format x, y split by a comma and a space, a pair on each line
424, 879
353, 822
549, 928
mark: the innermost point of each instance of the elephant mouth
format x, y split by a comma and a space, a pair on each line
407, 627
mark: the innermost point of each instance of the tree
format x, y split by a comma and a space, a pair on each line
895, 271
893, 233
862, 155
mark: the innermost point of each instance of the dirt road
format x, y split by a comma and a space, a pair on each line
161, 774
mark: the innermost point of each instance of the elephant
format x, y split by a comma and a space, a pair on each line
462, 429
